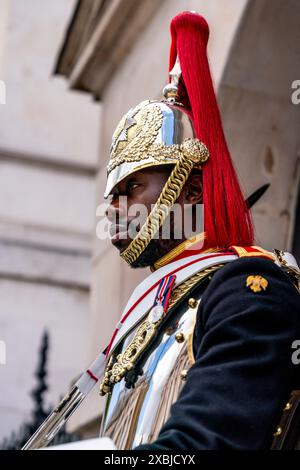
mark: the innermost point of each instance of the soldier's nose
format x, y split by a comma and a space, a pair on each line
116, 212
112, 212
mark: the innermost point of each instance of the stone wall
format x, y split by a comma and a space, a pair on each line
48, 161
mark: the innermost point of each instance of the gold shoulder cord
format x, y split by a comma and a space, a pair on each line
193, 152
145, 333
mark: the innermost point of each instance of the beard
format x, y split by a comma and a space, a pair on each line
152, 253
155, 250
159, 245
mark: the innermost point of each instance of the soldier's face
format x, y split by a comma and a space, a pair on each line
132, 200
141, 189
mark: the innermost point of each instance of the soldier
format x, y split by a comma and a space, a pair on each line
202, 355
205, 353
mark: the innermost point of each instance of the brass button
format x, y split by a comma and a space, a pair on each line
183, 374
192, 302
278, 431
179, 337
288, 406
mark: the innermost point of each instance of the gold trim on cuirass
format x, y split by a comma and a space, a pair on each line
135, 416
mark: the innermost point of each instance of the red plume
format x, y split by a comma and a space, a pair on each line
226, 217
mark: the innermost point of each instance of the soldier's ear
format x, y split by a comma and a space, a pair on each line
194, 189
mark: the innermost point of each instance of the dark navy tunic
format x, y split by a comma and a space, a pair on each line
243, 373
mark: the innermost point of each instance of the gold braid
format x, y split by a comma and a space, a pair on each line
182, 289
193, 152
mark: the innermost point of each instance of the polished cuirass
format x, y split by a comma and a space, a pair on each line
135, 415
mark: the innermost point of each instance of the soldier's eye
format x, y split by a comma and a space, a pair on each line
132, 185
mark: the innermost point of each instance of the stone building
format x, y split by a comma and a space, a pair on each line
48, 162
116, 52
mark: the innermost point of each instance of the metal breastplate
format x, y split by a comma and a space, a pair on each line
134, 416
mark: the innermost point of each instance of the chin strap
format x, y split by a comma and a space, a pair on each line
193, 154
